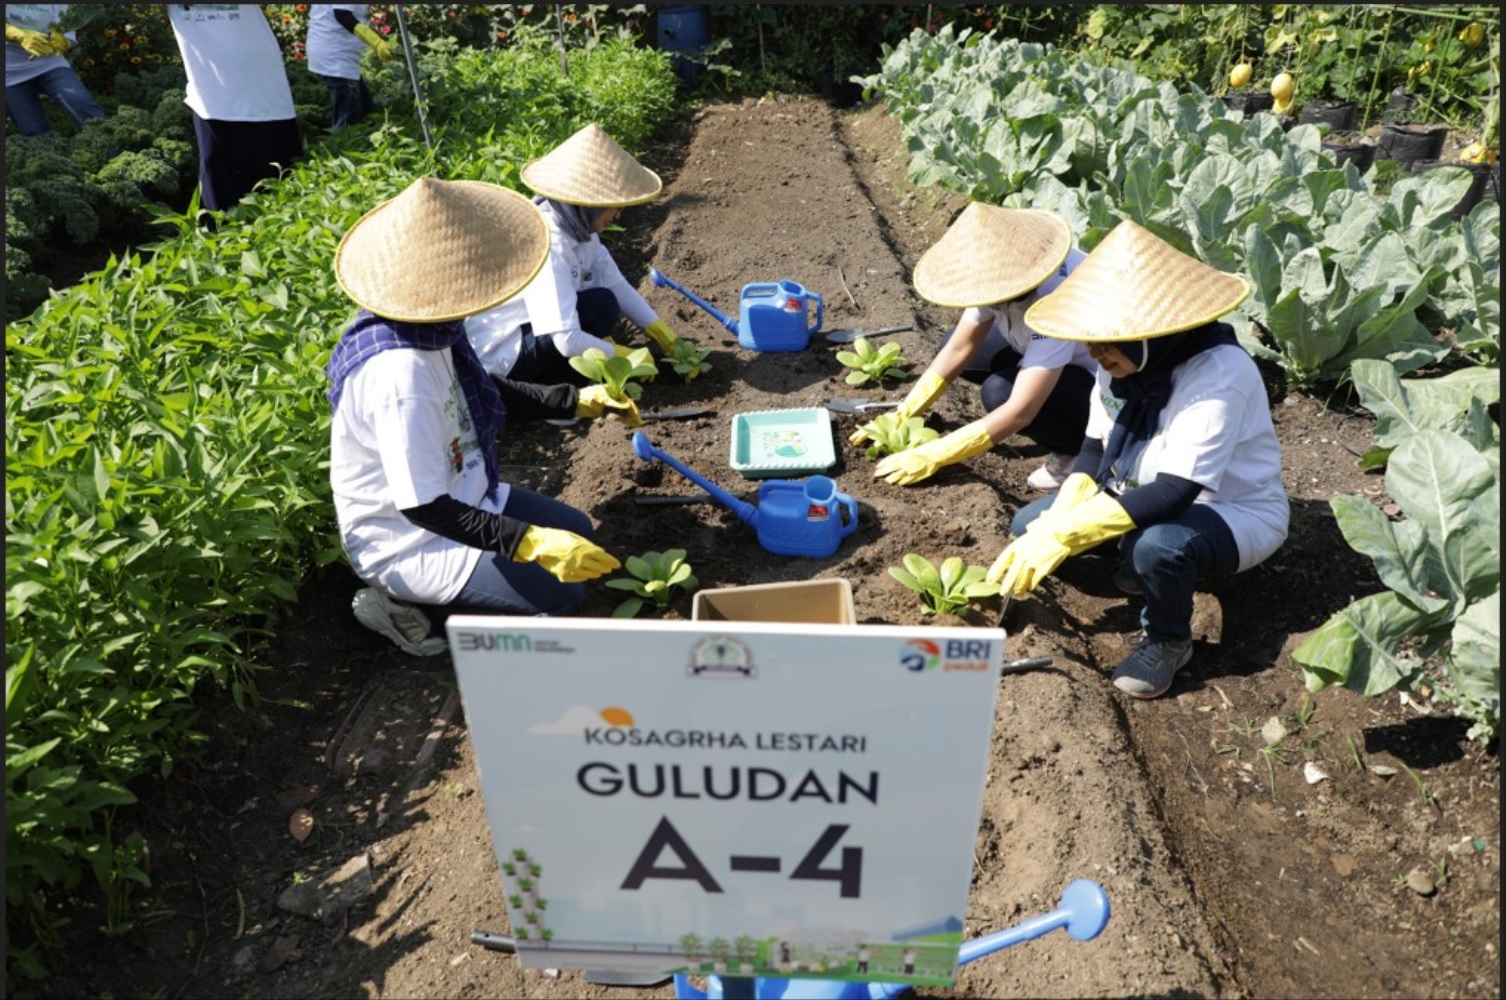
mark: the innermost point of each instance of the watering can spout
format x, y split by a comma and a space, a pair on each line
645, 450
662, 280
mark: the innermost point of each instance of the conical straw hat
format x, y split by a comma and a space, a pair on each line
590, 169
1134, 286
991, 254
442, 250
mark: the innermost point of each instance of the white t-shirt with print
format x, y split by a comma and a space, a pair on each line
1006, 321
401, 437
330, 48
21, 65
1216, 431
234, 66
548, 302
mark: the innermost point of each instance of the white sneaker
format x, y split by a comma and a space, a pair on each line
1051, 475
402, 623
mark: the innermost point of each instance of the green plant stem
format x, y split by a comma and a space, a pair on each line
1380, 61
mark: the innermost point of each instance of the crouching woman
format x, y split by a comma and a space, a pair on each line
425, 519
1180, 463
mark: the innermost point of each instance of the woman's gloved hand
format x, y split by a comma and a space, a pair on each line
921, 462
595, 401
60, 42
1076, 488
571, 558
35, 43
1035, 555
379, 45
659, 332
918, 401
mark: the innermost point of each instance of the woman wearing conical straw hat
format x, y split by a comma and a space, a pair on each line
993, 263
425, 519
581, 186
1181, 462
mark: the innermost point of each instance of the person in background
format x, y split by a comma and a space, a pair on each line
243, 115
338, 35
993, 263
1181, 461
425, 519
582, 185
35, 67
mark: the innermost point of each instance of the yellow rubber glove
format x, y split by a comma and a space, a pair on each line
379, 45
918, 401
659, 332
1074, 490
1035, 555
35, 43
568, 556
921, 462
60, 42
594, 401
620, 350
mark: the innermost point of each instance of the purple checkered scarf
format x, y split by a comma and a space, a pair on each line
370, 335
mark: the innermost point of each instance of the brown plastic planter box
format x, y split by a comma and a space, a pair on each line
820, 602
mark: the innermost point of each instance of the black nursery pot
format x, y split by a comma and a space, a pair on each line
1482, 179
1350, 148
1338, 115
1407, 144
1249, 101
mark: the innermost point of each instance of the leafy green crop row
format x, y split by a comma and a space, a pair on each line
1340, 272
166, 432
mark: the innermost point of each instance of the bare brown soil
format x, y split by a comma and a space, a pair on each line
1230, 875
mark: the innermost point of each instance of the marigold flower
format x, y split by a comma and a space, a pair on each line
301, 8
287, 18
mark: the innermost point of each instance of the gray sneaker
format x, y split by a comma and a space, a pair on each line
1150, 669
402, 623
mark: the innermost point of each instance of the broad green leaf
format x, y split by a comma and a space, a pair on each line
1358, 647
1475, 656
1405, 560
1445, 485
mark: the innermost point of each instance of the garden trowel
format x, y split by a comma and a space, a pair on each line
852, 333
857, 405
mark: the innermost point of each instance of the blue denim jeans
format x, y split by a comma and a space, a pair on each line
1166, 560
23, 102
500, 586
351, 98
540, 362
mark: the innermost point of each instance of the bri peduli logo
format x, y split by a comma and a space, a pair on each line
971, 655
920, 654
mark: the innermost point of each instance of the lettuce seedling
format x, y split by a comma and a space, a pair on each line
688, 360
871, 365
617, 374
656, 578
890, 434
944, 590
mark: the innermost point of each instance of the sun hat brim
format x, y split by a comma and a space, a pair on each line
442, 250
991, 254
591, 170
1134, 286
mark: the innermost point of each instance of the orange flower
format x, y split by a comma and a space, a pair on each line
286, 18
301, 8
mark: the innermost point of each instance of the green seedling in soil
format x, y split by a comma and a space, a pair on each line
1422, 786
870, 365
890, 434
946, 589
688, 361
1354, 754
657, 577
617, 374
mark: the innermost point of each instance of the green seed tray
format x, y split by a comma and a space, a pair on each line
782, 442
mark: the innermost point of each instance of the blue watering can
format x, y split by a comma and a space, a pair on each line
772, 316
792, 518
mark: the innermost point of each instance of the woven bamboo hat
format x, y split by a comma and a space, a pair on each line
1135, 286
991, 254
590, 169
442, 250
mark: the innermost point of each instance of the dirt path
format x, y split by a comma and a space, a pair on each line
1228, 874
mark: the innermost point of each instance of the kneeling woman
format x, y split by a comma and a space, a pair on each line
425, 519
1181, 461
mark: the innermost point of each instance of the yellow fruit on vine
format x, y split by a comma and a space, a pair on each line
1477, 152
1472, 35
1282, 88
1240, 75
1428, 46
1281, 108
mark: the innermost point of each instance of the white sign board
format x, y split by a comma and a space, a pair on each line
744, 798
